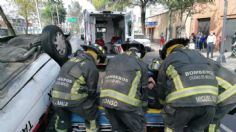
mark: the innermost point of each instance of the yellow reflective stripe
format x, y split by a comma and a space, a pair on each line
212, 128
56, 125
175, 76
121, 97
74, 59
167, 129
223, 83
66, 96
191, 91
227, 94
75, 87
135, 83
82, 80
154, 111
92, 126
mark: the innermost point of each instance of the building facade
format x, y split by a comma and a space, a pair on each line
209, 17
206, 17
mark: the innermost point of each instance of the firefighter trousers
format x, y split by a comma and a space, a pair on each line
123, 121
190, 119
88, 110
221, 111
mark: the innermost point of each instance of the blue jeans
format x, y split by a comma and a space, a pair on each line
210, 49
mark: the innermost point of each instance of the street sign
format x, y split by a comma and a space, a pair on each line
151, 23
72, 19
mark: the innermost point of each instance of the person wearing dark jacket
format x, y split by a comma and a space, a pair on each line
75, 90
227, 94
124, 91
187, 88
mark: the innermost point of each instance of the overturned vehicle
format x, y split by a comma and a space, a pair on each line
29, 65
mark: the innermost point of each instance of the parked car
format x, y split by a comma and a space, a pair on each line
29, 65
140, 38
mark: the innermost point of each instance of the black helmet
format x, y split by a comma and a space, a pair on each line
136, 47
95, 48
170, 43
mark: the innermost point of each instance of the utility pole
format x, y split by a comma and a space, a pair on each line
221, 58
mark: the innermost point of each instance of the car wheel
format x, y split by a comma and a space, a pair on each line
54, 43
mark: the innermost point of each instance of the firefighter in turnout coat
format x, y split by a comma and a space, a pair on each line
227, 94
124, 91
187, 87
75, 90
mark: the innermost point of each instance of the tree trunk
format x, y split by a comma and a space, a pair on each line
27, 22
9, 26
183, 26
143, 15
27, 25
169, 31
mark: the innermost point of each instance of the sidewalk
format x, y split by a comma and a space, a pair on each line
230, 62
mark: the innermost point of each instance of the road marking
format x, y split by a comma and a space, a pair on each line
225, 128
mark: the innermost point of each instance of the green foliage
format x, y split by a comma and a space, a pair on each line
100, 4
113, 5
181, 4
75, 11
26, 7
49, 14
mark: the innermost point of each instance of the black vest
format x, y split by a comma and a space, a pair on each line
121, 84
70, 87
191, 79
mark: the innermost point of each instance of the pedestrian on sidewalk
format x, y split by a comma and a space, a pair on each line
211, 41
162, 40
202, 42
198, 40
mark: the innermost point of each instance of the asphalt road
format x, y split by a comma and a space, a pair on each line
228, 123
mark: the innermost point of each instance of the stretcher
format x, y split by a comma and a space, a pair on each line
153, 120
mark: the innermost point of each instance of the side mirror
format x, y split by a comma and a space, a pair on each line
82, 36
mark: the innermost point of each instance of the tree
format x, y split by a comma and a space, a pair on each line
121, 4
54, 12
100, 4
75, 11
26, 7
9, 26
183, 6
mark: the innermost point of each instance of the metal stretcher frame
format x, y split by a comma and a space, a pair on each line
153, 119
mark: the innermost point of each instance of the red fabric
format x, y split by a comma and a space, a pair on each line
100, 42
114, 39
162, 41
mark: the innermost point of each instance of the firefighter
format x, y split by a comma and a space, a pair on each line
75, 90
227, 94
124, 91
187, 88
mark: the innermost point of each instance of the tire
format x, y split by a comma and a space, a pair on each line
54, 43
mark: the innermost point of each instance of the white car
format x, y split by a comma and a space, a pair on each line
140, 38
29, 65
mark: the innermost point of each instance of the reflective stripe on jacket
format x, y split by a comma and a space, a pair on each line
122, 84
186, 79
70, 87
227, 85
